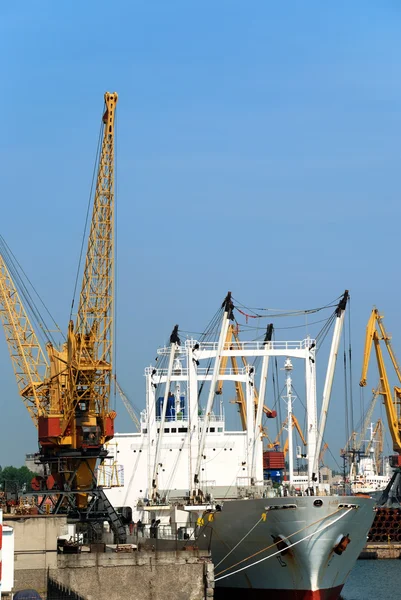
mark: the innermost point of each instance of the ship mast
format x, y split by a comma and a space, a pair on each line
328, 384
227, 316
288, 399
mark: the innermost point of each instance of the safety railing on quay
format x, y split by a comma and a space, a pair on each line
165, 537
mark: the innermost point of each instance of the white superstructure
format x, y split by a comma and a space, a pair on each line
184, 468
184, 451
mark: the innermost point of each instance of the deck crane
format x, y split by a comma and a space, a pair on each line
67, 389
375, 333
127, 403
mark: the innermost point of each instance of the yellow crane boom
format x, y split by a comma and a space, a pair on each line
375, 332
29, 362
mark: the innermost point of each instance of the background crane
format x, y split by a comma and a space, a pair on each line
233, 339
321, 455
375, 333
353, 447
128, 405
277, 442
67, 392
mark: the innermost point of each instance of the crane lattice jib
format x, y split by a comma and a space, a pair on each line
128, 406
366, 421
28, 360
94, 323
391, 405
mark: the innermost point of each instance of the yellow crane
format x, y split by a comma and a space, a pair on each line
66, 389
232, 339
375, 333
276, 443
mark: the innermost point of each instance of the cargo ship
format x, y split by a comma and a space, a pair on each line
270, 529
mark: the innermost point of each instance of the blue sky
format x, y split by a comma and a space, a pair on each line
258, 151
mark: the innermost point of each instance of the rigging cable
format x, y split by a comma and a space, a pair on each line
350, 366
115, 286
12, 264
346, 395
95, 169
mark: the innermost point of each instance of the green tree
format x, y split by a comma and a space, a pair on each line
18, 478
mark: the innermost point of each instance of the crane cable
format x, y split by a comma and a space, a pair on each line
218, 578
284, 313
115, 262
351, 400
18, 274
94, 173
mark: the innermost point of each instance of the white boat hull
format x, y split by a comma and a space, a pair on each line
308, 570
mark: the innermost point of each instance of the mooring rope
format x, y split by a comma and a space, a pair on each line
279, 551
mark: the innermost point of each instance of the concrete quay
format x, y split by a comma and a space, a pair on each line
149, 572
380, 550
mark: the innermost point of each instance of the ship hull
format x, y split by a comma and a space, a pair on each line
238, 594
309, 569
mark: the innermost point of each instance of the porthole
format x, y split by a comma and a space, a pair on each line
318, 503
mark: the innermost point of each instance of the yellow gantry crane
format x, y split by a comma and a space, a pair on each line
375, 333
67, 389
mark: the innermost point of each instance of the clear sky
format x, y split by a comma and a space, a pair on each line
258, 151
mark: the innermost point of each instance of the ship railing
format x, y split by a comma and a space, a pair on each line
202, 371
212, 418
167, 349
259, 345
164, 536
241, 345
164, 532
184, 420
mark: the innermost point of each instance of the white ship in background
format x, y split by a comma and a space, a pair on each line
370, 472
185, 469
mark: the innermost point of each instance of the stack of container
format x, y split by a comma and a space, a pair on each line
273, 465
